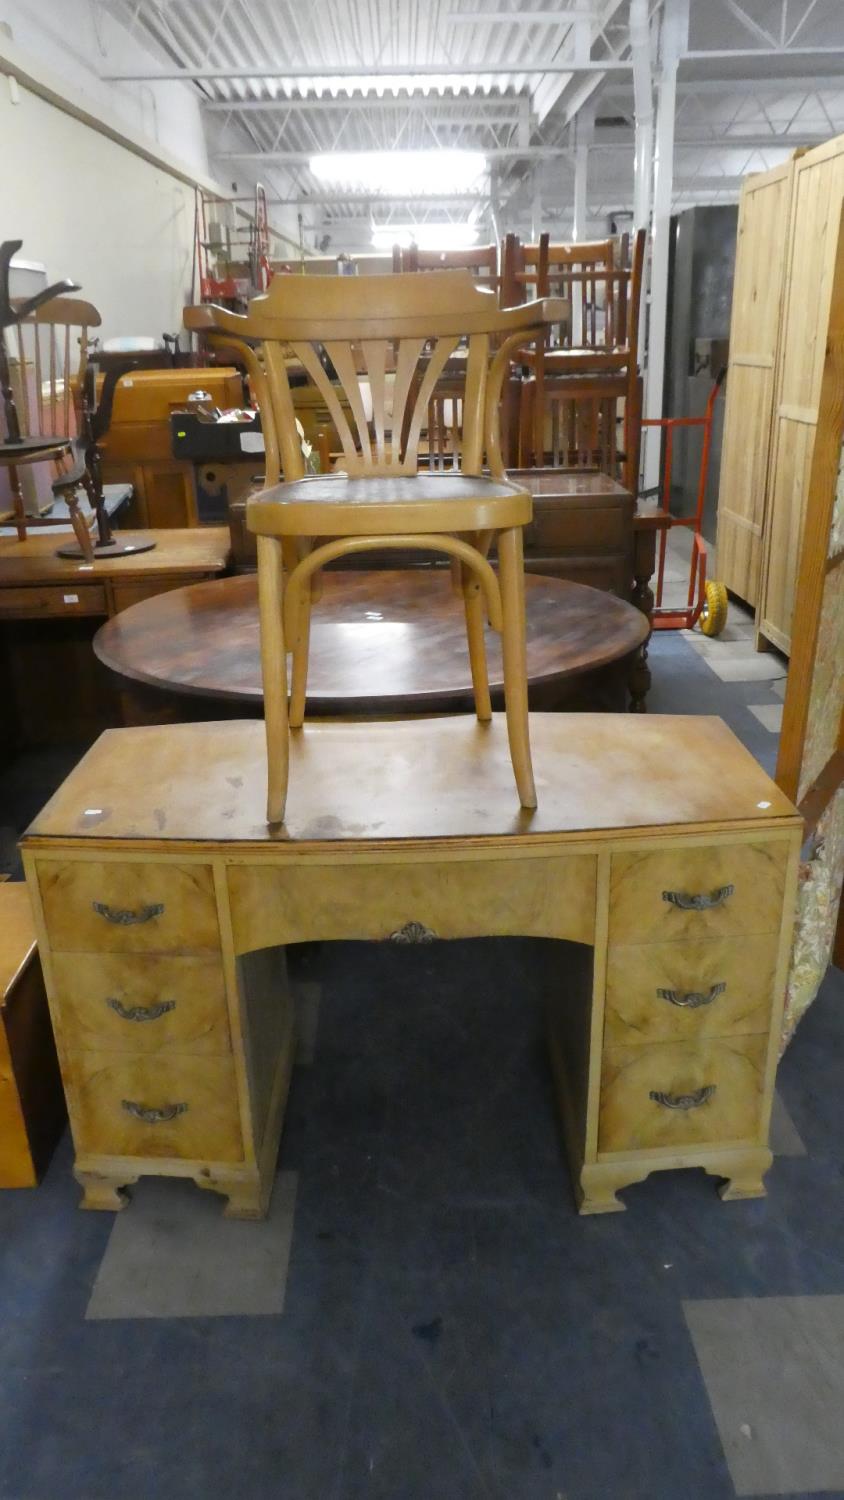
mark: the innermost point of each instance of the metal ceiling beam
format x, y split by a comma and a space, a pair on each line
330, 199
720, 53
519, 17
496, 106
493, 153
720, 142
333, 70
808, 83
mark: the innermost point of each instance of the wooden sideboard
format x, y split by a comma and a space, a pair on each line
164, 904
50, 609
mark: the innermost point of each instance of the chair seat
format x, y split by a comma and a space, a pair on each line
31, 449
582, 361
335, 505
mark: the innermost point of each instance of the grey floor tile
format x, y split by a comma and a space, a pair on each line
306, 994
733, 667
768, 714
737, 635
785, 1137
774, 1373
778, 687
171, 1254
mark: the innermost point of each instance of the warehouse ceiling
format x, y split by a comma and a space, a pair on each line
522, 82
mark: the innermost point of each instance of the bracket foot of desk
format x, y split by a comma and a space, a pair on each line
599, 1185
744, 1172
103, 1193
248, 1199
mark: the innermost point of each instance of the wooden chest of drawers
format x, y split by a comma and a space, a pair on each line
164, 905
32, 1112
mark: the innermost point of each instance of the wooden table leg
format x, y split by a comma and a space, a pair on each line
642, 595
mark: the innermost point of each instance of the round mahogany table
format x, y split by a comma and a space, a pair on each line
382, 642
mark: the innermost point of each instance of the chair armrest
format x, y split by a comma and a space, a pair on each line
538, 314
208, 318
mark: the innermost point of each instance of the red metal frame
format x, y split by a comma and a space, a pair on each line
673, 617
233, 288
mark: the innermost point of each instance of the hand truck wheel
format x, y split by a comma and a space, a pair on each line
713, 616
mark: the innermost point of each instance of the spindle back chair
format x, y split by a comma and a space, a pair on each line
47, 353
595, 362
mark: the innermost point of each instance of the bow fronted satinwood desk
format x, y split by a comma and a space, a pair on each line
164, 905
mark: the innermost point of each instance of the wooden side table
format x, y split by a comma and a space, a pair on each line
50, 609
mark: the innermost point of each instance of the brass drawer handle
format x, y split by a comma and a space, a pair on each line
413, 932
152, 1116
683, 1101
140, 1012
699, 903
125, 918
692, 999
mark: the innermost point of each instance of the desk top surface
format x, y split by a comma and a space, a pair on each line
181, 550
446, 779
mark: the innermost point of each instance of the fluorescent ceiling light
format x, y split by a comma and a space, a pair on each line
412, 174
425, 236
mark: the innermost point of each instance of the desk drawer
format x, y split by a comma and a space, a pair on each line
99, 905
470, 898
673, 991
155, 1106
141, 1003
721, 890
61, 599
681, 1094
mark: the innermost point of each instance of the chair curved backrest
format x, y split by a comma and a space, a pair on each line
481, 260
376, 347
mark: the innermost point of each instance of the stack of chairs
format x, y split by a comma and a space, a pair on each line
580, 401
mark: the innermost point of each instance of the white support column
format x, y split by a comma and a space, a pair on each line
640, 44
495, 203
584, 128
673, 43
536, 206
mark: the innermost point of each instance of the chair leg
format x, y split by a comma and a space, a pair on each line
539, 422
473, 603
80, 529
511, 573
17, 502
274, 674
299, 668
525, 425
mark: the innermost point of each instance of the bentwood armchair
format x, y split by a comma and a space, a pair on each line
390, 328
